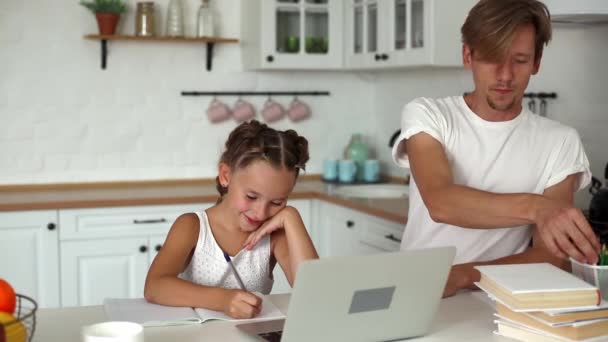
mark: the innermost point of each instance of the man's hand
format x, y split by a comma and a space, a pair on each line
461, 276
565, 232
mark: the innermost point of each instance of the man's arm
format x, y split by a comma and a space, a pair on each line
563, 228
465, 275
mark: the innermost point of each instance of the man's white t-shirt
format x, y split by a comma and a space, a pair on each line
527, 154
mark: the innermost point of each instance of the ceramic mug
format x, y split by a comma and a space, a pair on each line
218, 111
113, 332
371, 170
347, 170
243, 111
298, 110
330, 169
272, 111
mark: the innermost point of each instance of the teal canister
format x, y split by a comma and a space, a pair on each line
358, 151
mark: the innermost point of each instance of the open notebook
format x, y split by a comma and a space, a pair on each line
138, 310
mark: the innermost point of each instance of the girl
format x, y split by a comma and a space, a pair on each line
251, 223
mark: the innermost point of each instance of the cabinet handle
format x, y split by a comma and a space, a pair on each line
270, 58
384, 56
350, 224
377, 57
392, 238
51, 226
158, 247
160, 220
143, 249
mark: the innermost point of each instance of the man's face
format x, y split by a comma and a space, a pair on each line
502, 85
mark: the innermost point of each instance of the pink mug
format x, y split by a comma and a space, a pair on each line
218, 111
272, 111
243, 111
298, 110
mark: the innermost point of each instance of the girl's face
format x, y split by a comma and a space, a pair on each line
256, 192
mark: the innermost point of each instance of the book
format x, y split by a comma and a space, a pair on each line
140, 311
536, 287
522, 333
556, 317
575, 331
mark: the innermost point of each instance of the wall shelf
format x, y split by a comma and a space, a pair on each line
208, 41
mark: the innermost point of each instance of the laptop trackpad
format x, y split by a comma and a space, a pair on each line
371, 299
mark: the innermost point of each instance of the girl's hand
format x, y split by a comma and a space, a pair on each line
276, 222
241, 304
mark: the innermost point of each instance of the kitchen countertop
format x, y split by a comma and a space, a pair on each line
464, 317
110, 194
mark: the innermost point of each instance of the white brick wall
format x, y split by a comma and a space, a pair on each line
63, 119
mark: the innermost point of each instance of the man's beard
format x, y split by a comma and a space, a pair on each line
501, 108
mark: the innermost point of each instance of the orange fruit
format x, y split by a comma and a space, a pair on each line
8, 299
14, 331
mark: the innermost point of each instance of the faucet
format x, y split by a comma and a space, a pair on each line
391, 141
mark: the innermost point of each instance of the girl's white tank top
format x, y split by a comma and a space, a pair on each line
209, 267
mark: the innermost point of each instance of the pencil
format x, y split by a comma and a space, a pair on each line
236, 274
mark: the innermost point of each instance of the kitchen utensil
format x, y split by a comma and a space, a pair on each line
542, 110
272, 111
330, 169
532, 105
371, 170
347, 171
298, 110
243, 111
217, 111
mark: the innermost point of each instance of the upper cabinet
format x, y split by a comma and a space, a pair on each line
402, 33
292, 34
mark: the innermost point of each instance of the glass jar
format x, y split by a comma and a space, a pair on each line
144, 19
357, 151
205, 20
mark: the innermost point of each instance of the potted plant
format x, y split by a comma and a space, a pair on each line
107, 13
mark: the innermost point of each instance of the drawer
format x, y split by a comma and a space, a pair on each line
384, 235
121, 221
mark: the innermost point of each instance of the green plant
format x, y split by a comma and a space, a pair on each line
105, 6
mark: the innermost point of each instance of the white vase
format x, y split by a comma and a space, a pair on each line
175, 19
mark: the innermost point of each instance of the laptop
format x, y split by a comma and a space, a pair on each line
376, 297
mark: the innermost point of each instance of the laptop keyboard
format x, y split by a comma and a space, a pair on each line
273, 336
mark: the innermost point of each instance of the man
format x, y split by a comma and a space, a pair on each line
487, 175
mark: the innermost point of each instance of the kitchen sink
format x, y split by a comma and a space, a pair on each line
371, 191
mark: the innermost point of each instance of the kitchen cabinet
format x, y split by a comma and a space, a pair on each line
292, 34
404, 33
106, 252
345, 232
29, 257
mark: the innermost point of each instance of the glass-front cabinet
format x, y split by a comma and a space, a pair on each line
296, 34
398, 33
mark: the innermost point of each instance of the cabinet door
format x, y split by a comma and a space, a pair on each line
156, 243
339, 230
408, 32
29, 258
92, 270
301, 34
365, 33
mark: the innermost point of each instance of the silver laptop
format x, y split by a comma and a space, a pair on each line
376, 297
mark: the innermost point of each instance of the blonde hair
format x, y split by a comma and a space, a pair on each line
491, 25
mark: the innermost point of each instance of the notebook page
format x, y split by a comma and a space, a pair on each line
269, 311
140, 311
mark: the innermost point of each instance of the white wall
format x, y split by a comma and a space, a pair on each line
65, 120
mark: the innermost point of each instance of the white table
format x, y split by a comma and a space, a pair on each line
464, 317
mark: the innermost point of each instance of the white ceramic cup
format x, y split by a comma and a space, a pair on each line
272, 111
113, 332
298, 110
242, 111
218, 111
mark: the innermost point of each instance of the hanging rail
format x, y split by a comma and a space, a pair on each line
255, 93
540, 95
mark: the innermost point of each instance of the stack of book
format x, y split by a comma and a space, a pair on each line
541, 302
